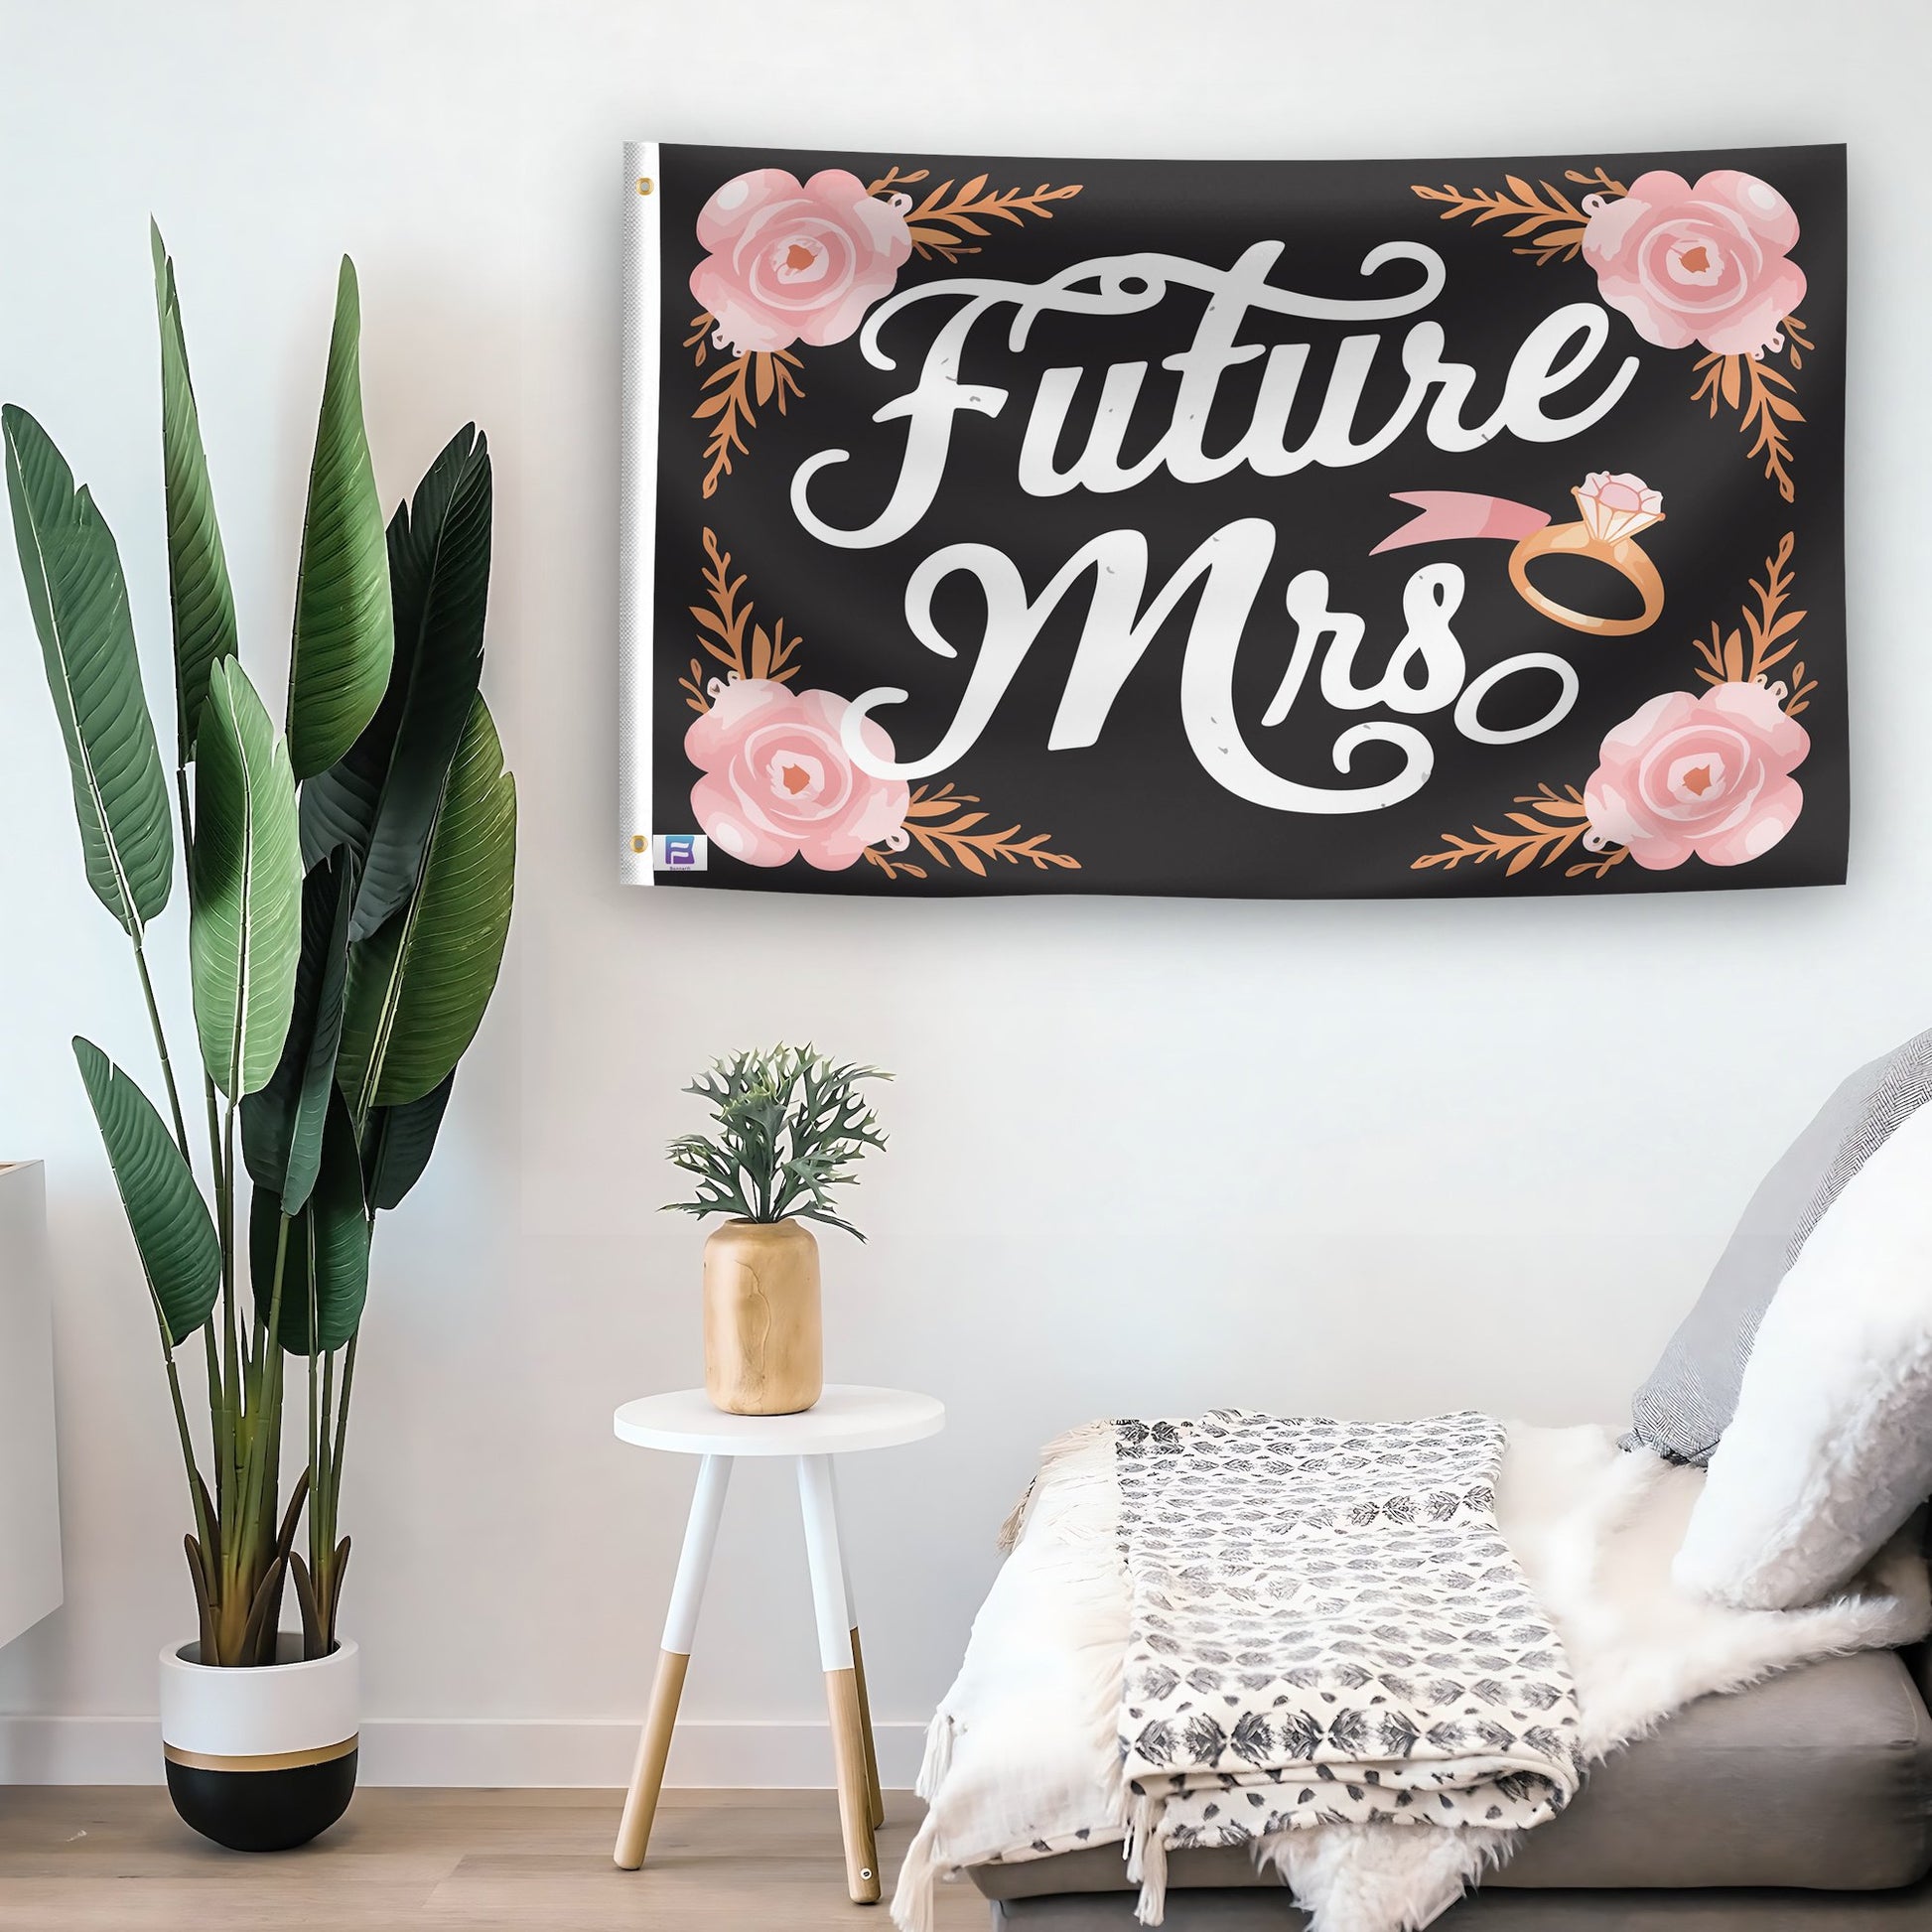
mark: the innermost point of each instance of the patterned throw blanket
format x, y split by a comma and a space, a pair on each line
1326, 1626
1023, 1757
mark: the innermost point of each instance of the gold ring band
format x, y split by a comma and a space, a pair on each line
266, 1762
1624, 556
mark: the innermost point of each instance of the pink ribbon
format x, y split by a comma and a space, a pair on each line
1448, 514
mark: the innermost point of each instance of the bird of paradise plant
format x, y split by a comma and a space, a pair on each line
349, 880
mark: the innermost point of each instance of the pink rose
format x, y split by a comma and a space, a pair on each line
790, 263
779, 781
1703, 264
1709, 775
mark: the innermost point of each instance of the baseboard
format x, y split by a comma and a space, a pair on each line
480, 1752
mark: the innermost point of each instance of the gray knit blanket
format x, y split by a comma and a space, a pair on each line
1327, 1626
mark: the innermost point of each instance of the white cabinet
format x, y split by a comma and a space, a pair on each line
30, 1511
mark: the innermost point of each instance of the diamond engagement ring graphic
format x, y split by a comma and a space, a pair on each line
1612, 511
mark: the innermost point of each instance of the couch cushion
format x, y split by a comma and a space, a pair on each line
1493, 1909
1692, 1394
1829, 1449
1820, 1779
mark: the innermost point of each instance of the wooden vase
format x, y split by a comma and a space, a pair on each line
763, 1346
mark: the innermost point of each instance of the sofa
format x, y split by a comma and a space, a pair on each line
1801, 1382
1801, 1805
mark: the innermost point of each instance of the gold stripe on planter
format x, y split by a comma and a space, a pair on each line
266, 1762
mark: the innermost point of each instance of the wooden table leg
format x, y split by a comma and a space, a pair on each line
820, 1511
680, 1626
877, 1796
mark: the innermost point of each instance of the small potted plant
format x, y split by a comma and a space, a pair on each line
789, 1127
349, 880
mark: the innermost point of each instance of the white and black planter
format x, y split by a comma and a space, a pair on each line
260, 1760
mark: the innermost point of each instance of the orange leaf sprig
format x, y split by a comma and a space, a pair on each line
960, 841
1548, 225
1763, 396
734, 392
1544, 833
949, 222
727, 633
1771, 631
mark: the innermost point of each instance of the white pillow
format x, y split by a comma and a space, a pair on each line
1830, 1451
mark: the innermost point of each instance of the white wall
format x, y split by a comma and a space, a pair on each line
1363, 1158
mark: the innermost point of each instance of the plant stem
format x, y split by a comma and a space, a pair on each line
234, 1415
321, 1520
341, 1429
218, 1433
190, 1465
267, 1413
190, 1468
316, 1438
230, 1347
244, 1567
331, 1598
160, 1047
187, 814
220, 1397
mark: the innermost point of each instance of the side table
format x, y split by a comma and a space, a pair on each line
844, 1418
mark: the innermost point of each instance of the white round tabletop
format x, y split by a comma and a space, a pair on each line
845, 1418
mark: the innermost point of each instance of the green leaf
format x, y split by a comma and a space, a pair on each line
399, 1141
244, 934
326, 1264
173, 1232
281, 1126
78, 599
344, 633
792, 1126
417, 990
198, 570
380, 797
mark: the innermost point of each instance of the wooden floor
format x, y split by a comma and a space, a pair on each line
116, 1859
